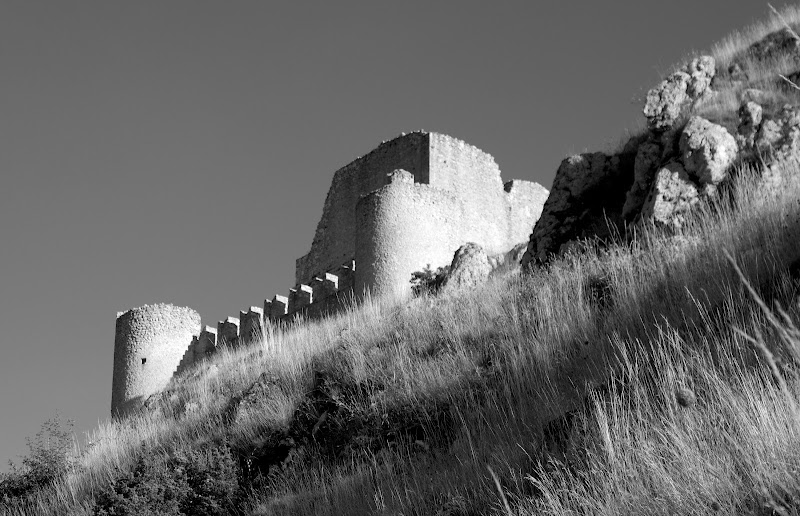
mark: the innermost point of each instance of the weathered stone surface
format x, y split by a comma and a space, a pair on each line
510, 258
778, 137
470, 268
737, 73
149, 344
774, 45
701, 70
672, 195
754, 95
648, 157
707, 151
585, 202
665, 102
750, 116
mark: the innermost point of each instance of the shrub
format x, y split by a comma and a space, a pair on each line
202, 482
50, 458
428, 281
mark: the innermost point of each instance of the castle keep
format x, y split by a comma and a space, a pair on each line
409, 203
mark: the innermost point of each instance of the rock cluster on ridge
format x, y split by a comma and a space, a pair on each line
687, 152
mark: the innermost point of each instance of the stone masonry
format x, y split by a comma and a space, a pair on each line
409, 203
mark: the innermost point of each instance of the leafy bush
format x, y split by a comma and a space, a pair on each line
428, 281
50, 458
202, 482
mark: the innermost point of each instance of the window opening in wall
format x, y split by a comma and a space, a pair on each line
144, 360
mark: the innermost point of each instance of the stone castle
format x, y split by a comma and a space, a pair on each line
409, 203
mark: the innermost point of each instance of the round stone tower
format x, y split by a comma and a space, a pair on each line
148, 346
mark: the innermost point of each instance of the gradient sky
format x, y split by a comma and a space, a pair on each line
181, 151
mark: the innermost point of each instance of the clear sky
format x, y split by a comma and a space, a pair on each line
181, 151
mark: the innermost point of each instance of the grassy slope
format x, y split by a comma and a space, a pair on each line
440, 406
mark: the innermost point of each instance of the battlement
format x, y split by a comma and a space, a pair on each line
409, 203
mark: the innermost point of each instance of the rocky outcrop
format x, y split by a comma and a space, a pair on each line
707, 151
648, 157
750, 116
681, 160
470, 268
778, 136
656, 178
668, 101
586, 201
671, 196
665, 102
773, 46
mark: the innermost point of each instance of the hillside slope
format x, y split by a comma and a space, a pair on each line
647, 373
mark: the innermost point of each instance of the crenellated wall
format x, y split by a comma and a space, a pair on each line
465, 201
409, 203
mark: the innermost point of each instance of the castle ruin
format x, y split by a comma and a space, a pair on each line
409, 203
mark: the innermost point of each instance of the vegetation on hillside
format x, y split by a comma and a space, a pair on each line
657, 375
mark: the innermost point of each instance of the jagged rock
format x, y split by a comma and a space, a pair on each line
470, 268
701, 70
707, 151
778, 137
737, 73
672, 195
583, 190
665, 102
750, 115
648, 157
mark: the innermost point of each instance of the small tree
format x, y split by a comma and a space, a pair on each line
49, 459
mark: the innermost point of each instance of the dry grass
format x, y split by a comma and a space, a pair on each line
439, 403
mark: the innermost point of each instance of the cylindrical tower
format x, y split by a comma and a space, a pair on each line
148, 346
403, 227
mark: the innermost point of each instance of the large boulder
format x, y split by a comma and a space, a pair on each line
778, 137
470, 268
750, 116
648, 157
665, 102
668, 101
707, 151
701, 71
672, 195
588, 193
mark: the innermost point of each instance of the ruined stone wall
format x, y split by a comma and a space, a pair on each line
410, 203
494, 215
472, 202
402, 227
148, 346
334, 240
524, 202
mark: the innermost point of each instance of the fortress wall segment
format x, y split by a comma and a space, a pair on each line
490, 212
524, 200
401, 228
149, 343
251, 325
334, 239
462, 168
207, 342
228, 332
